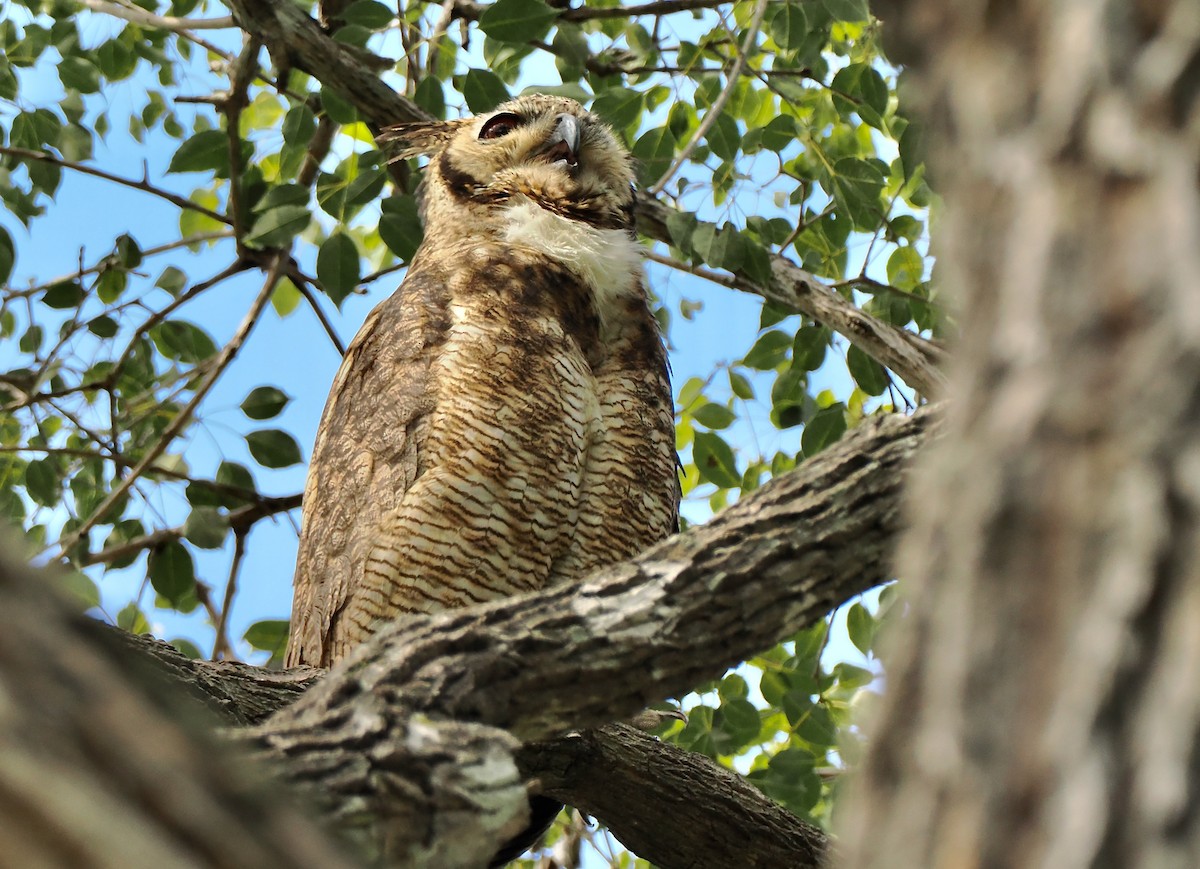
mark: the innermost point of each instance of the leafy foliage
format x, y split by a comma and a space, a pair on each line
107, 398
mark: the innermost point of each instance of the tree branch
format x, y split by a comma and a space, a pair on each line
669, 806
372, 741
174, 199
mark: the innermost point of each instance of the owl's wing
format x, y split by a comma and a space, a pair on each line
368, 453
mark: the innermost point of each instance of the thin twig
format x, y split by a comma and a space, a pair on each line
181, 420
137, 15
104, 263
221, 646
718, 106
304, 285
240, 520
146, 186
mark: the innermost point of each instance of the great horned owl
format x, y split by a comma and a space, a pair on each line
504, 420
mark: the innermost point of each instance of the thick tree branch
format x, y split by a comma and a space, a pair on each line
668, 806
100, 768
377, 738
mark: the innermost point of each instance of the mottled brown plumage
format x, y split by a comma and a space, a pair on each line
504, 420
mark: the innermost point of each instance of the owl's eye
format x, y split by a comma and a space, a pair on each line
500, 125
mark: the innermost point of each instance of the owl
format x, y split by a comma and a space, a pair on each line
503, 421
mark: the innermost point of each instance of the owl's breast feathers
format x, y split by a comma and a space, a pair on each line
503, 421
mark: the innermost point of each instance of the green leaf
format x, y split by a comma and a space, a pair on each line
234, 474
277, 226
80, 588
856, 187
430, 96
722, 248
867, 373
483, 90
905, 268
789, 27
724, 138
400, 226
860, 625
285, 298
620, 106
206, 527
116, 59
64, 294
780, 132
337, 107
369, 14
299, 125
264, 402
808, 351
826, 426
31, 340
740, 386
186, 648
912, 148
8, 255
171, 571
739, 721
79, 74
714, 460
42, 482
517, 21
768, 351
338, 266
127, 251
132, 620
654, 151
818, 728
103, 326
171, 280
268, 635
847, 10
205, 151
714, 416
181, 340
273, 448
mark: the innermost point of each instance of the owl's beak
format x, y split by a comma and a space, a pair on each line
563, 143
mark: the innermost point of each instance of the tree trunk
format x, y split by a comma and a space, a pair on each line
1044, 705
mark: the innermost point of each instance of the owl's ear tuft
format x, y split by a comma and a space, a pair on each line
415, 139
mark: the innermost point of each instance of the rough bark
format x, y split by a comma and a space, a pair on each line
1044, 708
99, 770
671, 807
414, 733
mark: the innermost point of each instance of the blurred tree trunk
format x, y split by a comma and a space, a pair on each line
1044, 705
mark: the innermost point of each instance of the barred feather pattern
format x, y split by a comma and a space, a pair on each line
504, 420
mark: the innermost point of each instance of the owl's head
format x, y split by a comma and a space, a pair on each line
544, 149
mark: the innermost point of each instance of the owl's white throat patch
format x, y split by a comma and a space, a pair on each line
608, 260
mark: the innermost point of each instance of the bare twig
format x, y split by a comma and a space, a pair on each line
173, 198
718, 106
221, 646
240, 521
304, 285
